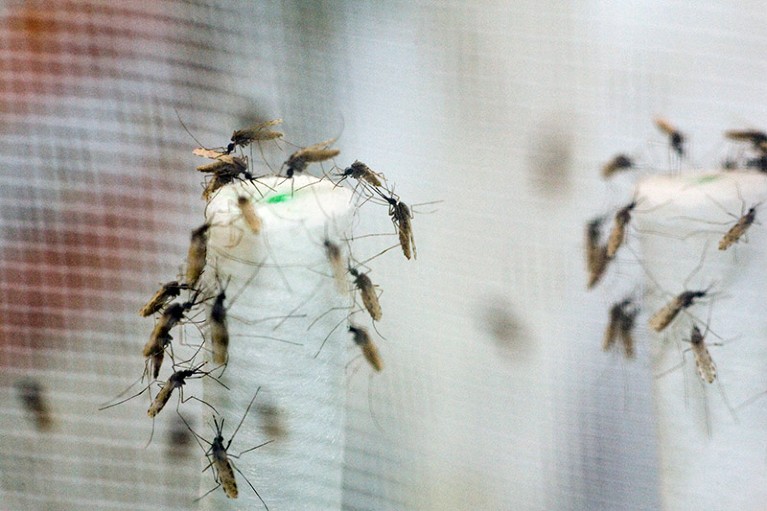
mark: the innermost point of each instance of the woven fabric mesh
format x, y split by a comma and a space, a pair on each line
96, 203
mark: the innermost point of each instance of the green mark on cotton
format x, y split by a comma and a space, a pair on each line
707, 178
274, 199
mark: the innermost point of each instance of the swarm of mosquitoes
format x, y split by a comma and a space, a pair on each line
230, 165
751, 154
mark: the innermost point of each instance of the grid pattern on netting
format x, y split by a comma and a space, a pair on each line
96, 200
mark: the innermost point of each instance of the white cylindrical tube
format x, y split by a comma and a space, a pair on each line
278, 283
712, 451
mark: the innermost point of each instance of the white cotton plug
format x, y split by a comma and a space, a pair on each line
278, 283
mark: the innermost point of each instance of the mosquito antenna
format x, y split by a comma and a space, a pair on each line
187, 129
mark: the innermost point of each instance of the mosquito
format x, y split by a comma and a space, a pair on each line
223, 163
249, 214
369, 349
742, 222
621, 223
223, 170
738, 230
335, 258
299, 160
611, 332
165, 294
626, 329
617, 164
370, 302
362, 172
666, 314
704, 365
218, 318
259, 132
219, 333
221, 461
368, 293
157, 356
596, 253
703, 361
160, 337
198, 251
176, 381
621, 324
401, 217
216, 182
758, 139
618, 232
676, 138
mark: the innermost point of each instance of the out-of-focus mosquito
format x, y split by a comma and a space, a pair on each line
596, 252
248, 210
32, 395
619, 163
621, 324
368, 347
335, 257
256, 133
757, 139
618, 232
197, 254
621, 223
178, 440
676, 138
219, 333
300, 159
